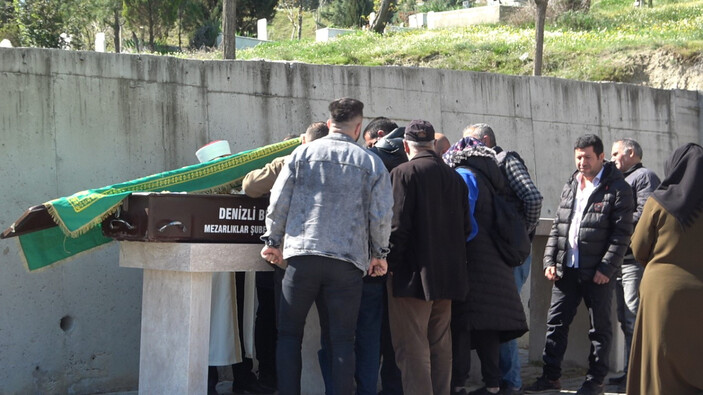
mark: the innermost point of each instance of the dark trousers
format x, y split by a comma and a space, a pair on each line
268, 287
627, 293
242, 371
367, 345
339, 285
566, 297
487, 345
391, 382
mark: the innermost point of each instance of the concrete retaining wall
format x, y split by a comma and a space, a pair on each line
76, 120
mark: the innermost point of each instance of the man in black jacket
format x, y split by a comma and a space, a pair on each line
589, 237
427, 262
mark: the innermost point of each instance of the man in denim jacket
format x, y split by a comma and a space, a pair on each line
333, 203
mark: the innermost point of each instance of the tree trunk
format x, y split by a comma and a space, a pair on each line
540, 15
229, 29
379, 24
136, 41
300, 19
117, 28
151, 30
318, 24
180, 26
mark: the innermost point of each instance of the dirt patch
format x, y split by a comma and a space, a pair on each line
666, 69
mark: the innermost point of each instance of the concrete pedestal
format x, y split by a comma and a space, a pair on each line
176, 308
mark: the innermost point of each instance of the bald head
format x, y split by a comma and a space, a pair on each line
441, 143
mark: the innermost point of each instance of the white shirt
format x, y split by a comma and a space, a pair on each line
580, 202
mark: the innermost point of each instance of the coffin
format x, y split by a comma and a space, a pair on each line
192, 218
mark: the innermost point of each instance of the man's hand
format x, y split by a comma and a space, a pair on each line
600, 278
551, 273
378, 267
272, 255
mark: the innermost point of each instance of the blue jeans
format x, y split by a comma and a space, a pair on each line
338, 285
367, 346
509, 356
627, 292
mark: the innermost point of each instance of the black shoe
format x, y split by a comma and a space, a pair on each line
483, 391
510, 390
543, 384
590, 387
251, 387
618, 380
268, 381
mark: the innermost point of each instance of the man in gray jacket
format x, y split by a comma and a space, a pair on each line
627, 156
332, 201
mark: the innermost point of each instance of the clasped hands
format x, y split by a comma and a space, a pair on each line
378, 266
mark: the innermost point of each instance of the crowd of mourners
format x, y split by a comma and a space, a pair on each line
399, 245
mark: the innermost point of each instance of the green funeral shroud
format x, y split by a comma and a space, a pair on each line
79, 216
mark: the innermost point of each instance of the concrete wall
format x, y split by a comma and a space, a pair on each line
76, 120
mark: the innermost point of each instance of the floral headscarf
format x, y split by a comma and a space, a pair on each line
464, 148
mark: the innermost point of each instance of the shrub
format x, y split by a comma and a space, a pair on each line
205, 35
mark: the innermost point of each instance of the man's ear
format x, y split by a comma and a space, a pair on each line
381, 133
357, 131
406, 147
303, 140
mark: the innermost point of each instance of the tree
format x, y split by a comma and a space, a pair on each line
229, 28
250, 11
157, 16
8, 22
116, 24
382, 16
348, 13
294, 13
540, 16
40, 23
300, 19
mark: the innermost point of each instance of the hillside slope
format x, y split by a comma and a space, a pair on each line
661, 47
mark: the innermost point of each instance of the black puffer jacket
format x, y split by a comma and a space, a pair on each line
605, 230
493, 303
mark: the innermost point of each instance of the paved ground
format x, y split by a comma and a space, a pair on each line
572, 377
571, 380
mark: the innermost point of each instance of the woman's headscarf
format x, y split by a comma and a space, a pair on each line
681, 192
462, 149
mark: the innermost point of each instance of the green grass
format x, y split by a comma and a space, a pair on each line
586, 46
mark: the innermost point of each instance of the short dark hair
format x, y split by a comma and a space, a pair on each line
590, 140
316, 130
631, 145
346, 109
379, 123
